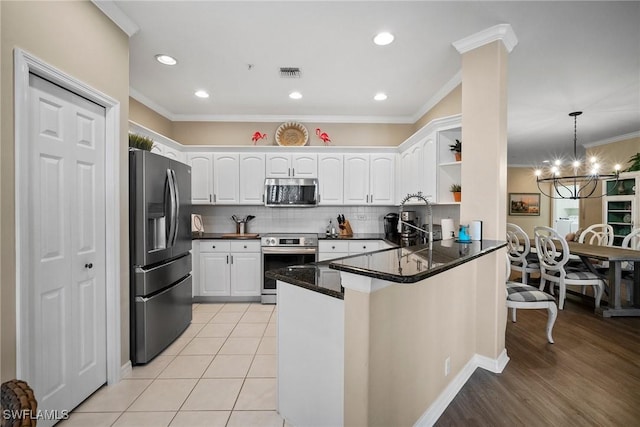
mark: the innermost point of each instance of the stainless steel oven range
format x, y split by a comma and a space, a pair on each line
283, 250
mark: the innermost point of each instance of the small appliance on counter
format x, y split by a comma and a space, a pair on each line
408, 234
391, 227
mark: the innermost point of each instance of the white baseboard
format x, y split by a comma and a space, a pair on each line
126, 370
436, 409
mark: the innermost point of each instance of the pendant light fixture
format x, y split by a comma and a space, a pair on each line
582, 183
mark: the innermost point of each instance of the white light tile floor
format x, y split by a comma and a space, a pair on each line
220, 372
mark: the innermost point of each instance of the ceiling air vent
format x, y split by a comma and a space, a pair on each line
290, 72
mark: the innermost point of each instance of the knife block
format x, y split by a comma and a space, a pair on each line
345, 230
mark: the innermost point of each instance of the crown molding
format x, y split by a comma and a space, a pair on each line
118, 17
502, 32
296, 118
613, 139
149, 103
439, 96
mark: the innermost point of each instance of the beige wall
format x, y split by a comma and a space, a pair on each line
145, 116
76, 38
448, 106
239, 133
522, 180
397, 340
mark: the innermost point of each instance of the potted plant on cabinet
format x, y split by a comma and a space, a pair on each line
457, 150
456, 189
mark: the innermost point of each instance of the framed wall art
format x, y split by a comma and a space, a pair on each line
524, 204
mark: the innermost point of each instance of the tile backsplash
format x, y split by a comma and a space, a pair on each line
363, 219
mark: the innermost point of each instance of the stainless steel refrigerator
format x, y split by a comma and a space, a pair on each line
160, 241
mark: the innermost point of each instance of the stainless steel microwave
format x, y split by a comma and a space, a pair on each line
290, 192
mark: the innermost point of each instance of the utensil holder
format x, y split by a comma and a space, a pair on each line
240, 227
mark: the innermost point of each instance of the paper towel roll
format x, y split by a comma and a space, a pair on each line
475, 230
448, 228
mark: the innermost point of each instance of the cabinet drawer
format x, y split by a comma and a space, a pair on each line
210, 246
245, 246
361, 246
333, 246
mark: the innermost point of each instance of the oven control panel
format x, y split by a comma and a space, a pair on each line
296, 240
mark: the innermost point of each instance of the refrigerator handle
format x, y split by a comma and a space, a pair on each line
172, 217
176, 205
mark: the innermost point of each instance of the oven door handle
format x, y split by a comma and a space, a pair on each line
288, 250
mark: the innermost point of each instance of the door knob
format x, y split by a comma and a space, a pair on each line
89, 265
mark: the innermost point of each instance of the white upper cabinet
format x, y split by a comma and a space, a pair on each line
330, 179
382, 179
201, 178
252, 174
369, 179
226, 178
289, 165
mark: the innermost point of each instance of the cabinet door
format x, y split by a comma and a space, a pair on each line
252, 174
246, 274
330, 179
356, 179
157, 148
278, 165
429, 168
304, 165
226, 177
214, 274
201, 178
382, 179
411, 174
174, 154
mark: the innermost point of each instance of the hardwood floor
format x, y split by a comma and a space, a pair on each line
589, 377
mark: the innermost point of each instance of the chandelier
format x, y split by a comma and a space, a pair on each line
584, 181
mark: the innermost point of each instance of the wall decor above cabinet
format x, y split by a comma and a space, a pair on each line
292, 134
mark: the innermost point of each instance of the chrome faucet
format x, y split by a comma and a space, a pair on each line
429, 230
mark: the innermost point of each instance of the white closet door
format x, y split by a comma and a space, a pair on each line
67, 193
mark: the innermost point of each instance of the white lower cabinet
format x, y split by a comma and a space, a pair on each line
229, 268
330, 249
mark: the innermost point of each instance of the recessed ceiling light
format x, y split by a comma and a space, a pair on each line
202, 94
295, 95
166, 59
380, 96
383, 39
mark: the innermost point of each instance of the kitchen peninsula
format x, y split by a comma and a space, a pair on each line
388, 341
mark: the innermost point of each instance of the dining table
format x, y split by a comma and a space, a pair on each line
615, 256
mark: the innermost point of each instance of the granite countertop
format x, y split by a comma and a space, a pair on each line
400, 265
356, 236
315, 276
216, 236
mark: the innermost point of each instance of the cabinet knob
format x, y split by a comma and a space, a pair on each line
214, 246
364, 247
333, 247
89, 266
245, 246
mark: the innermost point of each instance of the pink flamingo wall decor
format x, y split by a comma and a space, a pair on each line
323, 136
258, 136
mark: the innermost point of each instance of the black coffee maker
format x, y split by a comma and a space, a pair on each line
391, 227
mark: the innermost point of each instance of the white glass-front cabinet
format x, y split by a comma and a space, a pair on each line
201, 178
620, 205
252, 174
290, 165
330, 179
418, 170
229, 268
369, 179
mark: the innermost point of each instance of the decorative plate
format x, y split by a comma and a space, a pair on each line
291, 134
627, 218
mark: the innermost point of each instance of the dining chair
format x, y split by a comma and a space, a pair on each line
598, 235
520, 295
519, 252
553, 266
631, 241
